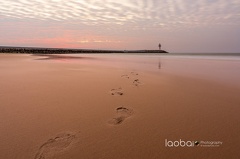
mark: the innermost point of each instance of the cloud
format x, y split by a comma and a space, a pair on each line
130, 24
134, 14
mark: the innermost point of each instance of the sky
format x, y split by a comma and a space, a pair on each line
179, 25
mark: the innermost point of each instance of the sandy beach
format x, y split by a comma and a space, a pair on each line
118, 106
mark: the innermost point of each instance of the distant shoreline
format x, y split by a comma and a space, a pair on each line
35, 50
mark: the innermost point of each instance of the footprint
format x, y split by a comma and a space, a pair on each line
121, 114
134, 73
57, 144
125, 76
136, 82
117, 92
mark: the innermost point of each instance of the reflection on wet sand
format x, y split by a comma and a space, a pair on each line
60, 57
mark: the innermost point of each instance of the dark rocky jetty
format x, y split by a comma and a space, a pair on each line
35, 50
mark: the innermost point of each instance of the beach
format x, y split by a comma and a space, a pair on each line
129, 106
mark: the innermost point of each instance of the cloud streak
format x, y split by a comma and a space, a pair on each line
150, 13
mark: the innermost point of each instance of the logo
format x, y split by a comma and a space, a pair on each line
183, 143
180, 143
196, 143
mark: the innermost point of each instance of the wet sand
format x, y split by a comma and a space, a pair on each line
117, 106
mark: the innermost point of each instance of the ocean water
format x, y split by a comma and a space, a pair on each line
221, 68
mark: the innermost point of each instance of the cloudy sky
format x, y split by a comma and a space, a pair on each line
179, 25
